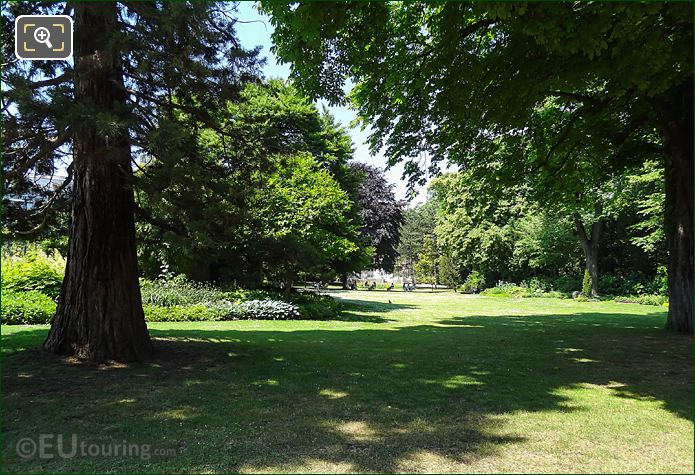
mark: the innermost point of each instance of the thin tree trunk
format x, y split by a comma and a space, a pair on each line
590, 245
675, 113
99, 315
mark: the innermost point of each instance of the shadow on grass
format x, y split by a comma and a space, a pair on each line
355, 310
363, 400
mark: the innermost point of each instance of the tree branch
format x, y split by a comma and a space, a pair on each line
43, 209
44, 151
147, 216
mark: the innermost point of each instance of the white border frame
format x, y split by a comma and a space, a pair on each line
72, 45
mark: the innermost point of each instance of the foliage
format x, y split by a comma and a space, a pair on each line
645, 191
26, 307
569, 94
179, 299
418, 222
312, 306
305, 220
183, 57
178, 291
586, 284
32, 269
480, 232
266, 309
449, 272
211, 311
269, 310
514, 238
396, 54
427, 266
268, 195
545, 243
507, 289
474, 282
381, 214
636, 284
656, 300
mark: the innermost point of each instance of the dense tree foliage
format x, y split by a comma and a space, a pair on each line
515, 238
418, 223
136, 65
381, 214
468, 83
265, 196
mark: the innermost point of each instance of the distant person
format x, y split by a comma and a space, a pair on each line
373, 286
390, 287
404, 285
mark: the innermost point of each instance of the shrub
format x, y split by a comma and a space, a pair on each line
586, 284
561, 283
635, 284
508, 289
33, 270
536, 285
312, 306
315, 306
474, 281
178, 299
243, 295
657, 300
222, 310
659, 284
268, 310
178, 291
30, 307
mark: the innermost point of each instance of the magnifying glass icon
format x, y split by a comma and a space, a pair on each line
42, 35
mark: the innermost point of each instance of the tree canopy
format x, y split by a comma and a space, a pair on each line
471, 82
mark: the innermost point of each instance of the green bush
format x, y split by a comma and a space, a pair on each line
586, 284
564, 283
268, 310
508, 289
312, 306
474, 281
315, 306
635, 284
657, 300
179, 292
190, 313
176, 300
30, 307
33, 270
301, 306
659, 284
244, 295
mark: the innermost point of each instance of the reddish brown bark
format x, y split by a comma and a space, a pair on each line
99, 315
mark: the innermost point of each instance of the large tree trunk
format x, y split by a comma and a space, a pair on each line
675, 113
99, 315
590, 245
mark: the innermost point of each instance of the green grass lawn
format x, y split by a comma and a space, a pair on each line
432, 382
